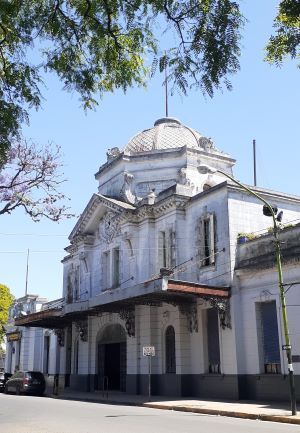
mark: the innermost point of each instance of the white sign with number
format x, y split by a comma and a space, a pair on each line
148, 351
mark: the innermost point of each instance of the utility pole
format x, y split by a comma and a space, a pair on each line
26, 282
254, 162
166, 88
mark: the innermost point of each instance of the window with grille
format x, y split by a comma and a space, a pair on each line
269, 337
106, 270
77, 283
116, 267
170, 350
166, 249
207, 240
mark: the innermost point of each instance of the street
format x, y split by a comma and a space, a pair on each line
26, 414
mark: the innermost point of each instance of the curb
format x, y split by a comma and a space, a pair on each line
228, 413
94, 400
217, 412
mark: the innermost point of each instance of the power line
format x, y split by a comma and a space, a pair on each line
32, 234
265, 229
31, 251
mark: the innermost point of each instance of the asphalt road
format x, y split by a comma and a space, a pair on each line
25, 414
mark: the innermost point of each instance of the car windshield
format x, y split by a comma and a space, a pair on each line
35, 375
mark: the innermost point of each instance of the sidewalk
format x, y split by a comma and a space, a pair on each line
272, 411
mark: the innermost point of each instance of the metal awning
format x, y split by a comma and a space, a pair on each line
45, 319
152, 293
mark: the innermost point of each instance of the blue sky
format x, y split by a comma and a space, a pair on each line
264, 105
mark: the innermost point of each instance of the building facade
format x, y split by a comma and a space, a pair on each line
263, 364
30, 348
152, 261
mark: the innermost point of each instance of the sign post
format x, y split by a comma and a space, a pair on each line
149, 351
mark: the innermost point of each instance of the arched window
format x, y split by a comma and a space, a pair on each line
170, 350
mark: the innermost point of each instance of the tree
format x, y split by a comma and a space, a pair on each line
97, 46
30, 180
286, 42
6, 299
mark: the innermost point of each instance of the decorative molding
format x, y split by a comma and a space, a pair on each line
158, 209
60, 333
113, 153
223, 307
144, 188
190, 311
126, 192
128, 316
183, 179
206, 143
82, 329
90, 210
165, 317
109, 227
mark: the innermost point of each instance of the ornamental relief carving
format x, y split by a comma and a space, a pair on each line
109, 227
126, 192
184, 179
144, 188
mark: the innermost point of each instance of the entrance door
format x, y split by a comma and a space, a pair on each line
123, 366
112, 365
112, 359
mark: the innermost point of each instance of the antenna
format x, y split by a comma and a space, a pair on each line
26, 284
166, 87
254, 161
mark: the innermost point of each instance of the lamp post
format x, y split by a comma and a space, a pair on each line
288, 349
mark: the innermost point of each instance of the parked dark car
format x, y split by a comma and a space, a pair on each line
3, 379
26, 382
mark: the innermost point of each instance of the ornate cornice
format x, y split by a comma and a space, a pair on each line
155, 211
97, 199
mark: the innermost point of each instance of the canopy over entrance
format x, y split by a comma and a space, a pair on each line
153, 292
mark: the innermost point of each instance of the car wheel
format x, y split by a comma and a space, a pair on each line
5, 390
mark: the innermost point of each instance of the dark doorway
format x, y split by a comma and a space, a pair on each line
112, 365
112, 359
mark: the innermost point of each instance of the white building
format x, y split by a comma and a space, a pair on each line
151, 262
30, 348
263, 362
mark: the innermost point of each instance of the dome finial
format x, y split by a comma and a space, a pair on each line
166, 86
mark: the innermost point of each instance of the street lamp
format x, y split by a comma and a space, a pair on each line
269, 210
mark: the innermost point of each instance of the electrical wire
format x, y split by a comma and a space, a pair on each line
31, 251
66, 235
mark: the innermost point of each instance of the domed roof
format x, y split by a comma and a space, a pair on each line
167, 133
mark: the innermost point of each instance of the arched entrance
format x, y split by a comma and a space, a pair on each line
112, 363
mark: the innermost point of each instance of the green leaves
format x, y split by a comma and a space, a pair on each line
286, 42
98, 46
207, 51
6, 299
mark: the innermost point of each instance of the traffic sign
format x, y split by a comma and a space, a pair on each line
148, 351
